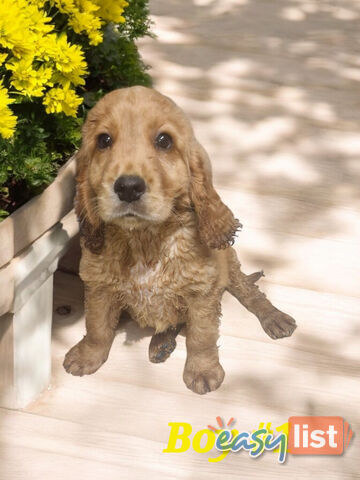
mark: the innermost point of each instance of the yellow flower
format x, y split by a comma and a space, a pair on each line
26, 79
7, 118
38, 21
112, 11
83, 18
95, 37
38, 3
42, 62
22, 24
58, 100
64, 6
88, 16
3, 57
69, 57
85, 22
13, 28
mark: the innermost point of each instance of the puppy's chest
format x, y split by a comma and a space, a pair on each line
164, 276
153, 282
176, 268
146, 279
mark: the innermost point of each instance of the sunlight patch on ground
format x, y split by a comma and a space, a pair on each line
263, 134
302, 47
219, 7
344, 13
286, 164
343, 143
168, 31
227, 72
293, 14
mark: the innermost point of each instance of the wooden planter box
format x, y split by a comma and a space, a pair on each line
32, 240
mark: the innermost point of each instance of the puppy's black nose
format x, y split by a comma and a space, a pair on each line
129, 187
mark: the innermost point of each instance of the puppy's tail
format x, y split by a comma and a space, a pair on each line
254, 277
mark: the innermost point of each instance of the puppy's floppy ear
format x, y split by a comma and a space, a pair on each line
216, 223
91, 226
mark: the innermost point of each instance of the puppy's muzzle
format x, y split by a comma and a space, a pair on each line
129, 187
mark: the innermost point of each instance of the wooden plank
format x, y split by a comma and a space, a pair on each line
261, 375
285, 160
299, 217
19, 230
25, 349
318, 264
322, 316
35, 463
6, 359
85, 443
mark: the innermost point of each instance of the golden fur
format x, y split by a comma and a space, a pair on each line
170, 261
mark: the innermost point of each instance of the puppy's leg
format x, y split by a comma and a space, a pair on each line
163, 344
102, 315
275, 323
203, 372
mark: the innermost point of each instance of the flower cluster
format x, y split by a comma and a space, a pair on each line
36, 57
7, 118
88, 16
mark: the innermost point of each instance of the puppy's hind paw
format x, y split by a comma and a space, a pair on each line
278, 324
161, 347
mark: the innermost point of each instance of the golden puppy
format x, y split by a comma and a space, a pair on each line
156, 238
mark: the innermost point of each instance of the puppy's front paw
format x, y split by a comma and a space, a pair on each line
278, 324
84, 359
204, 381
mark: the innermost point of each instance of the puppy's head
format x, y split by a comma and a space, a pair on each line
138, 163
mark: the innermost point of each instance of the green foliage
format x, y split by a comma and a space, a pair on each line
137, 23
42, 142
116, 63
29, 161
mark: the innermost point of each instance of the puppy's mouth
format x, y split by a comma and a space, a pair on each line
133, 213
130, 210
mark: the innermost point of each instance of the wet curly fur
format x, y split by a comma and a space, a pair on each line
165, 258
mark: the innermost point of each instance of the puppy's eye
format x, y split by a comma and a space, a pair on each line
104, 141
163, 141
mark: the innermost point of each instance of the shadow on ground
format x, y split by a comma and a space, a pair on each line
273, 90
